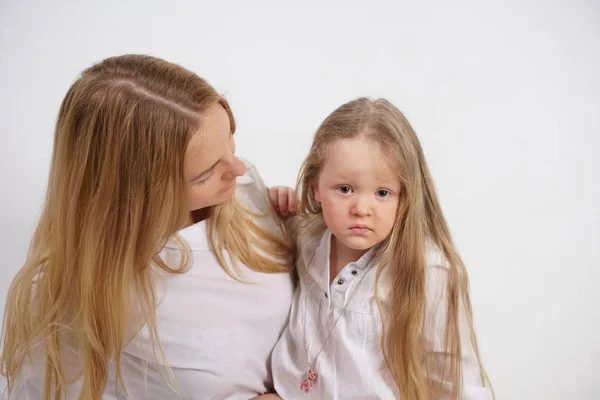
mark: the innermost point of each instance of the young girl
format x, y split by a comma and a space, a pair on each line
382, 309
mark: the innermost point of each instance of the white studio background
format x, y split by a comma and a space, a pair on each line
505, 97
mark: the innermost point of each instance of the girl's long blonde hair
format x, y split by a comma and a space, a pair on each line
116, 194
402, 256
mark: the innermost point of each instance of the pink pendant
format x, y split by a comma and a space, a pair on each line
306, 385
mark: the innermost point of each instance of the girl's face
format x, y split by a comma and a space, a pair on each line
211, 164
359, 193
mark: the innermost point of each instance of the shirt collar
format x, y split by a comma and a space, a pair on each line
324, 250
319, 267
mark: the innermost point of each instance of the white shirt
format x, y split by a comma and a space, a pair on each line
217, 333
351, 364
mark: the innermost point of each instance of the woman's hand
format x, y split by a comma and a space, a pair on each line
283, 200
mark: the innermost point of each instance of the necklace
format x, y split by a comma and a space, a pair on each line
311, 374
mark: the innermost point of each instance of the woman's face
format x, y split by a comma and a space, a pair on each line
211, 164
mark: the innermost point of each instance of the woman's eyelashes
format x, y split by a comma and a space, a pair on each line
204, 181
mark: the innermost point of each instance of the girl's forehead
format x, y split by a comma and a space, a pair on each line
361, 150
359, 158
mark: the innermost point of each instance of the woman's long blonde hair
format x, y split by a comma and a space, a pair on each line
116, 194
402, 256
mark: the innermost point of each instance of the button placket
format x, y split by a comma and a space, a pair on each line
343, 283
338, 290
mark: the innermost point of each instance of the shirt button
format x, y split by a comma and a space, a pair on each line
340, 281
325, 294
354, 272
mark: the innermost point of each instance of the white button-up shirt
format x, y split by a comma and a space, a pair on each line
216, 333
351, 364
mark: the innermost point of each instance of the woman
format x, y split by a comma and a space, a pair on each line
149, 275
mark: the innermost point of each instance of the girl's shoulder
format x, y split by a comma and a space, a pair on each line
437, 269
251, 174
309, 231
251, 189
434, 257
253, 194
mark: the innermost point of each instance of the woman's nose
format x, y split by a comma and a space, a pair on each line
237, 168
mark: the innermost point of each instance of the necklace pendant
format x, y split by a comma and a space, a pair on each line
306, 386
308, 383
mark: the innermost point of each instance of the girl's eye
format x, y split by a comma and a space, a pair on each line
383, 193
344, 189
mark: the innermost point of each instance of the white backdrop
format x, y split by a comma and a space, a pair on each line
505, 97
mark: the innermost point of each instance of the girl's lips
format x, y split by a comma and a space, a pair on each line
360, 230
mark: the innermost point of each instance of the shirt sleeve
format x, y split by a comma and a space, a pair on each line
252, 192
254, 195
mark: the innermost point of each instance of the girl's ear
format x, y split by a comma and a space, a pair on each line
315, 188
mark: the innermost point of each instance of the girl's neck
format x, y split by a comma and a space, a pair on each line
341, 255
